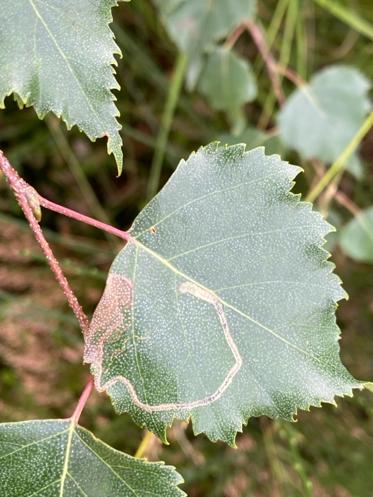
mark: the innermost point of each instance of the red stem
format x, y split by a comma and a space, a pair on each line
82, 401
84, 219
259, 40
19, 188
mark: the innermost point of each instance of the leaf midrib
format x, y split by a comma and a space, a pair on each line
64, 57
65, 468
172, 268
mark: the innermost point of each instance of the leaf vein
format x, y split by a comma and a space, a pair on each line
108, 465
203, 197
237, 237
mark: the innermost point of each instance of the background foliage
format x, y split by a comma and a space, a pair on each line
40, 345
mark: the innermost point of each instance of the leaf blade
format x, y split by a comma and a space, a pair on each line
70, 68
92, 467
195, 26
357, 236
211, 268
319, 119
227, 80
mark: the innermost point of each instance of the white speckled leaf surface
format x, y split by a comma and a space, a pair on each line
222, 306
59, 56
55, 458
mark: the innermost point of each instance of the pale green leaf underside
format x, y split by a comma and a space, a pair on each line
223, 305
357, 236
54, 458
320, 119
227, 80
58, 57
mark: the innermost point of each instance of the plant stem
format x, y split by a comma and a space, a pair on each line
233, 37
65, 211
272, 30
82, 401
257, 35
20, 188
144, 444
347, 203
285, 53
347, 16
340, 164
168, 113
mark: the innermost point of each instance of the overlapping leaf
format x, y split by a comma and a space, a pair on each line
222, 305
357, 236
320, 118
55, 458
59, 56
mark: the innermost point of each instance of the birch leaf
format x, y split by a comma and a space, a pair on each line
320, 119
58, 57
357, 236
222, 305
195, 26
227, 80
56, 458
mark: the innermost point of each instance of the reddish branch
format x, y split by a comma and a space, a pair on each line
348, 204
291, 75
20, 189
271, 64
82, 218
233, 37
82, 401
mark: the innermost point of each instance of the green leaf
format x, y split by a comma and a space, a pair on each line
320, 119
357, 236
58, 57
56, 458
195, 26
222, 305
227, 80
254, 137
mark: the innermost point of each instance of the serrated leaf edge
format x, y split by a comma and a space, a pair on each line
23, 101
291, 171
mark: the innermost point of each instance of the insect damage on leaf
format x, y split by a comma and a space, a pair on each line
113, 320
112, 316
232, 307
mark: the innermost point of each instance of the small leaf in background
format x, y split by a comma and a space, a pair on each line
357, 236
58, 57
55, 458
253, 137
195, 25
222, 305
227, 81
320, 119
